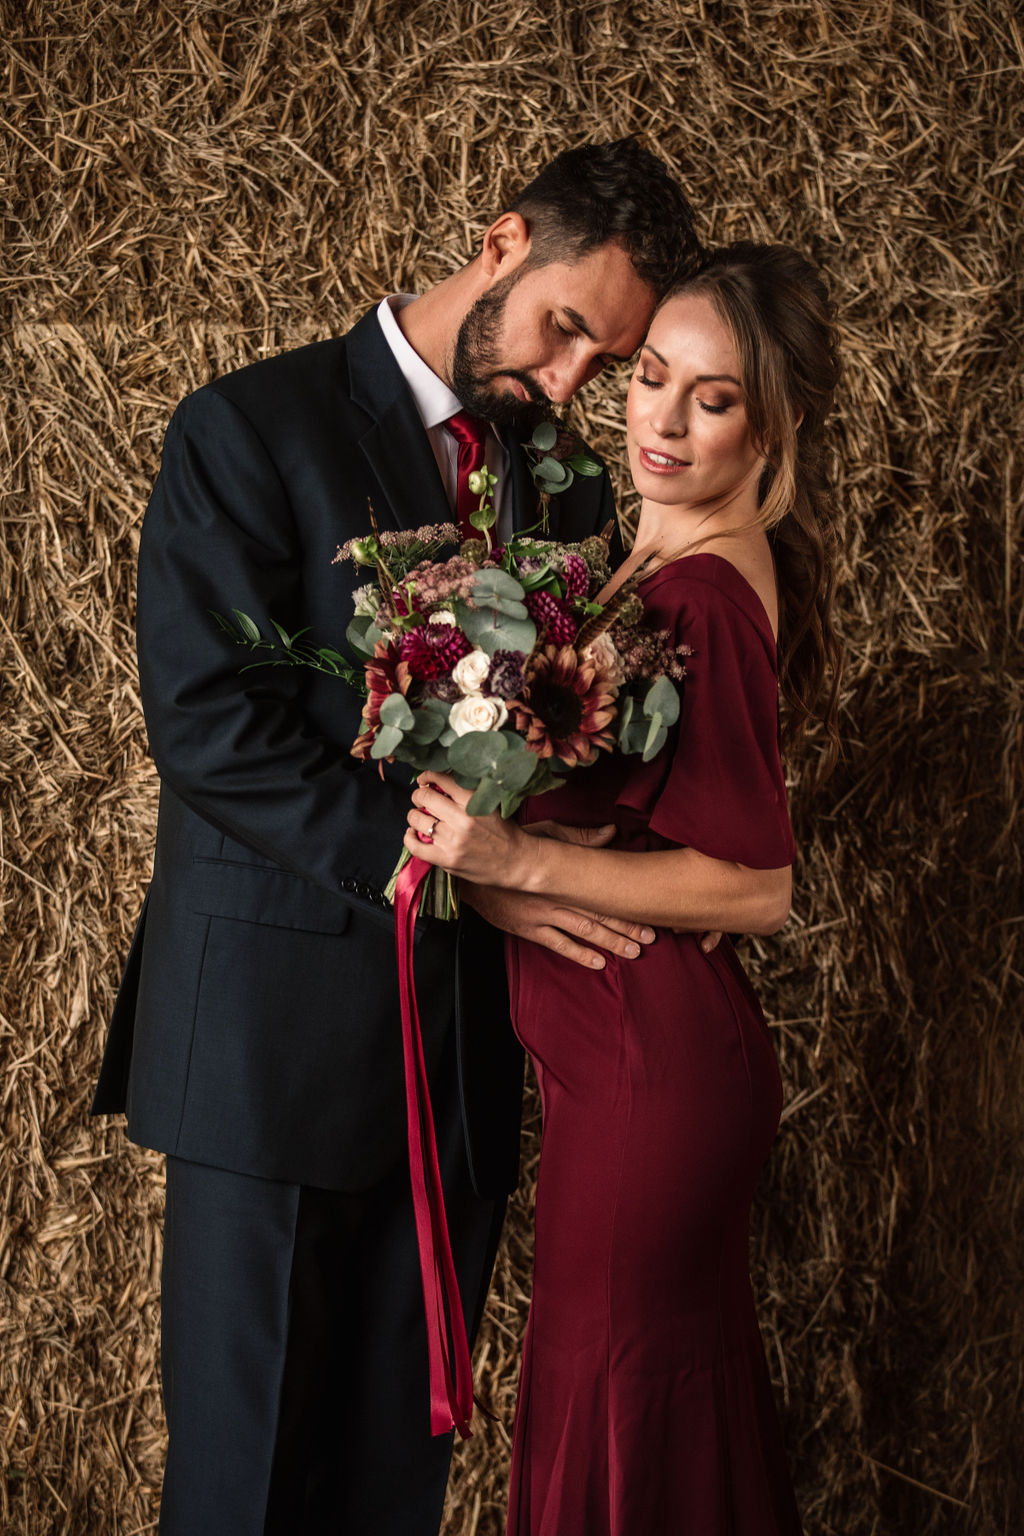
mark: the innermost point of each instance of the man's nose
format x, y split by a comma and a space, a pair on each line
560, 381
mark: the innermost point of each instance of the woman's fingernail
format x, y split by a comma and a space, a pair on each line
632, 950
647, 934
597, 961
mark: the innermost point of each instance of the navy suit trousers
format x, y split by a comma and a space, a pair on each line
294, 1352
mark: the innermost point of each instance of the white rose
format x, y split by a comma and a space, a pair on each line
475, 713
605, 657
442, 616
470, 673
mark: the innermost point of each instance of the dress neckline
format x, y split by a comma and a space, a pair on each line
755, 607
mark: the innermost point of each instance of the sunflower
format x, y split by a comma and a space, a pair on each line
567, 707
386, 673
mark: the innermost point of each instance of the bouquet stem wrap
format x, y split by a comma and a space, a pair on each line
451, 1391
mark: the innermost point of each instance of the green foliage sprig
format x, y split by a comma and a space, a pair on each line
289, 650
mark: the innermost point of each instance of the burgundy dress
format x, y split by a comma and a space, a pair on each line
644, 1406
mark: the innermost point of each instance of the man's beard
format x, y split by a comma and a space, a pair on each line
476, 365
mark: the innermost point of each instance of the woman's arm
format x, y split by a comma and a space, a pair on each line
676, 888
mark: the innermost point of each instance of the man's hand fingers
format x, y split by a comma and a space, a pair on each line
557, 940
710, 941
640, 933
583, 937
614, 935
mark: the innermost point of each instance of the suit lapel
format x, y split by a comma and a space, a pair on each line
395, 444
398, 451
524, 492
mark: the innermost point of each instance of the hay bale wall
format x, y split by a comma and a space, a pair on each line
194, 185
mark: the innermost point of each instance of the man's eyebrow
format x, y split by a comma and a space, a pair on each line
581, 325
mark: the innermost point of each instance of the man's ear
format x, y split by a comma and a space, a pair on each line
506, 245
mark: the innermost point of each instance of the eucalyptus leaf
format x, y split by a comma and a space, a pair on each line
493, 631
545, 436
654, 742
509, 608
357, 636
485, 798
635, 738
386, 740
477, 752
395, 711
515, 770
246, 625
495, 582
663, 699
432, 758
428, 722
546, 776
552, 471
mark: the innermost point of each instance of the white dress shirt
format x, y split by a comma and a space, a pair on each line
435, 402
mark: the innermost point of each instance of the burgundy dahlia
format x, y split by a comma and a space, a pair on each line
431, 650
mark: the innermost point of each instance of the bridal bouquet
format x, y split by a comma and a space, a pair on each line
495, 664
498, 666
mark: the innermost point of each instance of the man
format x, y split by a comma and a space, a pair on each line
256, 1038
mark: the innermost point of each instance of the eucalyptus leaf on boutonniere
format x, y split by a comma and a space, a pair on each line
555, 457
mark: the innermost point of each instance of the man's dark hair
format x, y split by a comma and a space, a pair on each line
601, 192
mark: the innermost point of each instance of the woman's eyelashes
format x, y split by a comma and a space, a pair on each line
705, 405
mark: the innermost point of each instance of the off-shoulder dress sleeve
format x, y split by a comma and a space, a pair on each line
719, 787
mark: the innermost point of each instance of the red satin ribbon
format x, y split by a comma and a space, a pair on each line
451, 1400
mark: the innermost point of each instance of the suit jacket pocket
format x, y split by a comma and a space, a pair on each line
257, 893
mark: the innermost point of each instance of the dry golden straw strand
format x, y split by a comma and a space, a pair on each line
191, 186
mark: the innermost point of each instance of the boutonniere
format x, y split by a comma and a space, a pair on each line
555, 457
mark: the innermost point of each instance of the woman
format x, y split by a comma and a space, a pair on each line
644, 1405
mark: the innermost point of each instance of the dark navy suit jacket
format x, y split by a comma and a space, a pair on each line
257, 1024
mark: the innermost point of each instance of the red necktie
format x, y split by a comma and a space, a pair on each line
471, 434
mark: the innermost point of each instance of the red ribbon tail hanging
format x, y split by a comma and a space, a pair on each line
451, 1391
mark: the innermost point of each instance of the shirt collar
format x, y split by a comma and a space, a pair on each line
433, 399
